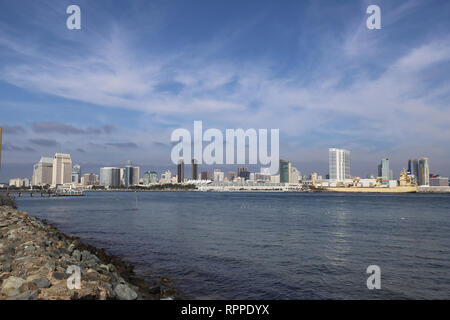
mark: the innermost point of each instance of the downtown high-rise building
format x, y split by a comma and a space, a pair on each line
294, 175
243, 173
424, 172
43, 172
76, 174
194, 169
136, 177
285, 171
413, 167
130, 175
150, 177
90, 179
383, 171
231, 175
110, 177
180, 168
205, 175
339, 164
166, 177
62, 169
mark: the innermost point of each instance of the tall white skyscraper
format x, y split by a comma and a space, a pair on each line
43, 172
339, 164
62, 169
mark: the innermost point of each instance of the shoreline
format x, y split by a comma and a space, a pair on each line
35, 255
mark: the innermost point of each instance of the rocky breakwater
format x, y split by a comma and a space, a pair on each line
36, 262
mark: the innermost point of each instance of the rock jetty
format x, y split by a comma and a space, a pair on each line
35, 261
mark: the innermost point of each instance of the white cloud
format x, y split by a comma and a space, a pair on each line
395, 105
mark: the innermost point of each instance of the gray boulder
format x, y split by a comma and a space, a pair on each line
77, 255
27, 295
11, 286
124, 292
41, 283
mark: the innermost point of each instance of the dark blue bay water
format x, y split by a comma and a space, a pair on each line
269, 245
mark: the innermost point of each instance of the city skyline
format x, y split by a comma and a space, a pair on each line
59, 170
118, 87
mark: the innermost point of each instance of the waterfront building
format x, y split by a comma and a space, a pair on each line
146, 178
218, 175
424, 172
285, 171
413, 167
339, 164
150, 177
166, 177
205, 175
76, 174
131, 175
194, 169
243, 173
136, 177
180, 168
122, 176
153, 177
62, 169
231, 175
294, 175
262, 177
17, 182
110, 177
275, 178
89, 179
43, 172
384, 171
439, 182
128, 174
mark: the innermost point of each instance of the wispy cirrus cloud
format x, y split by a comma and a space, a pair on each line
13, 129
123, 145
66, 129
44, 142
11, 147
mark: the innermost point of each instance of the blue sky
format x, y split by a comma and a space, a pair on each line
137, 70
